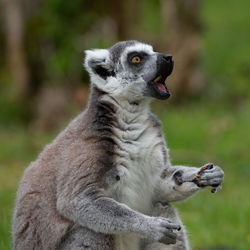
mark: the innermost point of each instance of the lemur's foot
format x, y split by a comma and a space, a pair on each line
209, 175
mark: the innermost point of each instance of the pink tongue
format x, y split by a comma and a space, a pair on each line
161, 87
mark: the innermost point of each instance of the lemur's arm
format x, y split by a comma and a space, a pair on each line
180, 182
103, 214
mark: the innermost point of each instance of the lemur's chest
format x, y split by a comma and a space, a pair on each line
139, 161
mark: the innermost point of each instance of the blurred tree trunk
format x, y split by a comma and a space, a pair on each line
126, 15
183, 26
14, 35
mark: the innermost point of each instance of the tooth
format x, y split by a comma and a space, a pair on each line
158, 78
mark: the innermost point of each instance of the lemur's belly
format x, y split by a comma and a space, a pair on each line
139, 166
139, 163
137, 185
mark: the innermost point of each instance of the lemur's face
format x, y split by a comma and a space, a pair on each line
130, 70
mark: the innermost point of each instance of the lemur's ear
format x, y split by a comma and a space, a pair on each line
97, 61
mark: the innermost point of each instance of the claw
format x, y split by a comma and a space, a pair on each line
203, 168
207, 166
197, 178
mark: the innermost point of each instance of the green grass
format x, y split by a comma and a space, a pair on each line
196, 134
226, 40
203, 133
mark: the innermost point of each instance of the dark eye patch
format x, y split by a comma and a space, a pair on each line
143, 56
102, 72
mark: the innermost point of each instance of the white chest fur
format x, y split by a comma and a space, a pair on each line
139, 158
139, 162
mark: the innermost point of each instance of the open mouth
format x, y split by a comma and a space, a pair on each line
156, 85
159, 83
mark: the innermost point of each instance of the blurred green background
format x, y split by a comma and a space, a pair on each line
43, 85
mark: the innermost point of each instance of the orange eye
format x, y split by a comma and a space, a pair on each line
136, 59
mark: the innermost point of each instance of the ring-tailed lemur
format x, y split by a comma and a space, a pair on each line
106, 182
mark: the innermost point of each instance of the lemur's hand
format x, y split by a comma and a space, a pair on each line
161, 229
209, 175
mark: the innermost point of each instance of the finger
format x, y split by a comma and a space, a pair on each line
170, 225
208, 176
216, 189
211, 181
168, 233
212, 170
215, 168
219, 171
168, 240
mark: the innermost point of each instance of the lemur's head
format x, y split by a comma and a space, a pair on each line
130, 70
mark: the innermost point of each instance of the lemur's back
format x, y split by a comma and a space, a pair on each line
35, 217
71, 157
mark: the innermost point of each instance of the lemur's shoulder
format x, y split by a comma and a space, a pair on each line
157, 124
155, 120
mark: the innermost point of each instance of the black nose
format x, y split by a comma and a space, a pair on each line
168, 58
164, 61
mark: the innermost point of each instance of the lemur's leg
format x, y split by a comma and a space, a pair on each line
170, 212
180, 182
82, 238
105, 215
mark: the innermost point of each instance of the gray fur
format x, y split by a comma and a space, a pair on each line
106, 182
117, 49
168, 211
